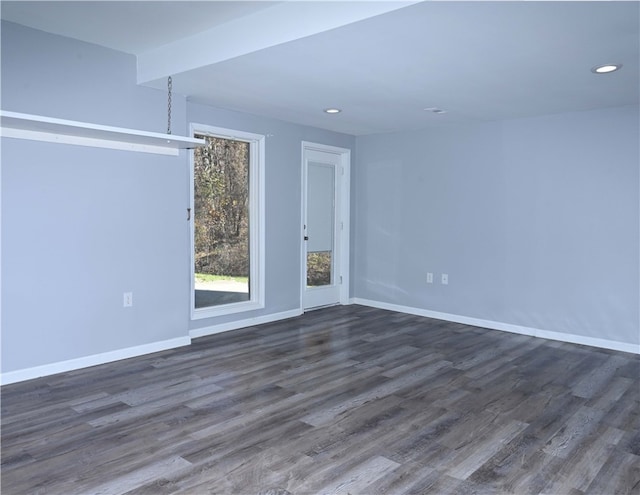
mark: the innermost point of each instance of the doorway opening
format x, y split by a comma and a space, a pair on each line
325, 229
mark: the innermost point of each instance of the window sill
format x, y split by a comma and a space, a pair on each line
225, 309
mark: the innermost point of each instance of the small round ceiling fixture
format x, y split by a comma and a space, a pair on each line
606, 68
332, 110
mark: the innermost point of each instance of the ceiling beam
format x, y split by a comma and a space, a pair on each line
284, 22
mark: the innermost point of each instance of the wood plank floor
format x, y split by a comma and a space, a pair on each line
349, 400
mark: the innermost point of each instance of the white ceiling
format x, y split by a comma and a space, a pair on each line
382, 63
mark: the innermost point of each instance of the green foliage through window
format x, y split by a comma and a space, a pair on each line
221, 207
318, 268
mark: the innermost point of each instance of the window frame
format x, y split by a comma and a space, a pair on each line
256, 222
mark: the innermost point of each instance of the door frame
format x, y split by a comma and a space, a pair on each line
344, 208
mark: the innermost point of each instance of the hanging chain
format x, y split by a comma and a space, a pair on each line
169, 87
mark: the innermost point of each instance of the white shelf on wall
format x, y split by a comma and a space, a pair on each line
40, 128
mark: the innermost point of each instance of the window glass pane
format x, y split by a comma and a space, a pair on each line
221, 222
318, 268
320, 207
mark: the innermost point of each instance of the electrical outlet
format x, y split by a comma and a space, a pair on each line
429, 278
128, 299
445, 279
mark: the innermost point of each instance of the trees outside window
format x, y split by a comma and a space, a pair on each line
221, 208
223, 217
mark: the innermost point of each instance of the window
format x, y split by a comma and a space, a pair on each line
227, 228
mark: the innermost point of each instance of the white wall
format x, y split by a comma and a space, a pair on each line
536, 222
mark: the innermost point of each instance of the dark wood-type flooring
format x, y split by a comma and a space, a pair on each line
349, 400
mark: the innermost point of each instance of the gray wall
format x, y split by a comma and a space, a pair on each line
535, 220
80, 225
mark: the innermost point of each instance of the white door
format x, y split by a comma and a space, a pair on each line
325, 240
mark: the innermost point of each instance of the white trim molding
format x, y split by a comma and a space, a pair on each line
93, 360
257, 222
141, 350
249, 322
505, 327
343, 202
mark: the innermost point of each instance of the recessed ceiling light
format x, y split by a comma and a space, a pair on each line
332, 110
606, 68
435, 110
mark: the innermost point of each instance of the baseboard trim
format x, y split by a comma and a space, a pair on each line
249, 322
93, 360
505, 327
108, 357
129, 352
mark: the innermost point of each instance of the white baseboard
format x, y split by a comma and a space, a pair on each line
249, 322
93, 360
108, 357
505, 327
